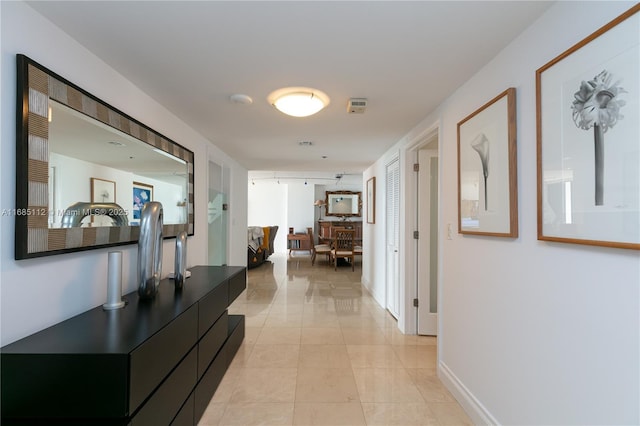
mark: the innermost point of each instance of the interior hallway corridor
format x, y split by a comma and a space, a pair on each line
319, 350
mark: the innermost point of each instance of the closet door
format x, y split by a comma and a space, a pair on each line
393, 236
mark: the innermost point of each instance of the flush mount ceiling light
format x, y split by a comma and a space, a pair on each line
298, 101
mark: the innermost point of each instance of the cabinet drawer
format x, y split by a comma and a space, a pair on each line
237, 284
211, 307
209, 383
185, 415
211, 343
166, 401
155, 358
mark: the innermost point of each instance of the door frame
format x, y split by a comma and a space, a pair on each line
408, 320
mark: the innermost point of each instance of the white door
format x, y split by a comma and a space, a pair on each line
427, 242
393, 236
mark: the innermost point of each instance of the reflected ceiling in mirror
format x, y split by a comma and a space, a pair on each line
60, 129
82, 149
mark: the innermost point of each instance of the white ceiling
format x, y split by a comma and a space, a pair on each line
404, 57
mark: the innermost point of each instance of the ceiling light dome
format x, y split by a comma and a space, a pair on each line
298, 101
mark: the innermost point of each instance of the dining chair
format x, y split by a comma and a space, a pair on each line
343, 246
318, 248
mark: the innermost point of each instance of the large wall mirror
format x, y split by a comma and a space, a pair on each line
343, 203
84, 169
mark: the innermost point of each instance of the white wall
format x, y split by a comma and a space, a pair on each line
530, 332
36, 293
267, 206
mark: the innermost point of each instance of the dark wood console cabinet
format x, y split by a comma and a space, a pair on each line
153, 362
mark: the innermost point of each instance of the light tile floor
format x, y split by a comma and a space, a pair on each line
319, 350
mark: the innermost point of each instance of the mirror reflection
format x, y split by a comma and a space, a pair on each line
78, 156
343, 203
90, 162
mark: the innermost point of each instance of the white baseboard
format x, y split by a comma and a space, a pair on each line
474, 408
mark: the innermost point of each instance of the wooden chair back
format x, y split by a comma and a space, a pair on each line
343, 239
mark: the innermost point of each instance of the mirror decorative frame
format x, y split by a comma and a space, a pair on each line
33, 238
327, 204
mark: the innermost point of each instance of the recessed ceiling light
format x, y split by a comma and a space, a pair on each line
305, 143
239, 98
116, 143
298, 101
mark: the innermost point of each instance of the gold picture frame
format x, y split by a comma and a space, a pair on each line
371, 200
588, 139
487, 169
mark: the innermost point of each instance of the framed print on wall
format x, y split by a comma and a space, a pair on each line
487, 175
102, 191
588, 139
142, 194
371, 200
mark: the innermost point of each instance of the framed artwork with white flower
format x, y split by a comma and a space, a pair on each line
588, 139
102, 191
487, 175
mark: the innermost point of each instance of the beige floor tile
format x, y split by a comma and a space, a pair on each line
316, 319
273, 356
373, 356
326, 385
386, 385
249, 308
427, 340
279, 336
414, 356
322, 336
255, 320
396, 337
324, 356
283, 319
258, 413
213, 414
286, 309
261, 296
364, 336
251, 335
328, 414
449, 414
430, 386
360, 320
314, 338
398, 414
241, 357
265, 385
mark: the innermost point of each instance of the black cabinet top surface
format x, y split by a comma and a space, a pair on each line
120, 331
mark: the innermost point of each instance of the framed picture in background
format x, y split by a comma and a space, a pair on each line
588, 139
371, 200
102, 191
487, 175
142, 194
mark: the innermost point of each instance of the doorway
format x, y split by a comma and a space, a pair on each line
427, 247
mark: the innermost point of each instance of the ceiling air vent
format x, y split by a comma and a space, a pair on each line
357, 105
